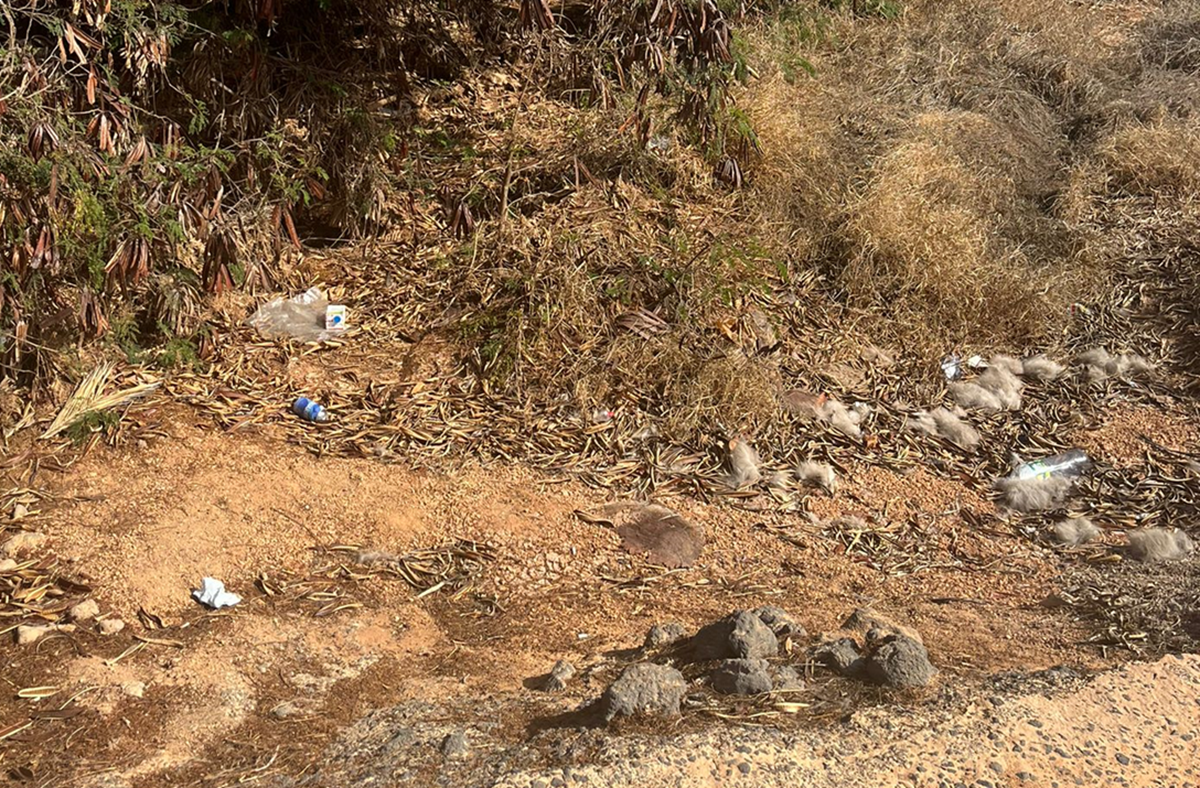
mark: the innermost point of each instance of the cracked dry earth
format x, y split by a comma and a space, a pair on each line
357, 681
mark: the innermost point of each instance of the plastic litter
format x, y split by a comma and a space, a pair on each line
1068, 464
308, 410
952, 367
212, 593
308, 317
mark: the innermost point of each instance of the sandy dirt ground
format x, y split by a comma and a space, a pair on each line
325, 659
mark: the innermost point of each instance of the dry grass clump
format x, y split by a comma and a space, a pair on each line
1160, 158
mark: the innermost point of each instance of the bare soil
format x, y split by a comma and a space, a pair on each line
273, 688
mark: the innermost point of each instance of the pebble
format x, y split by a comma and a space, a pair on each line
27, 635
744, 768
1123, 759
85, 610
7, 565
455, 745
997, 767
111, 626
134, 689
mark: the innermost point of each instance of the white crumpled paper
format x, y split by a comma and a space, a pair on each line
213, 594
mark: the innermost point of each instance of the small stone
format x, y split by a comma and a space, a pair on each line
455, 745
28, 634
841, 655
85, 610
560, 674
1122, 759
644, 689
23, 542
864, 619
744, 767
997, 767
900, 662
782, 624
786, 678
7, 565
664, 634
111, 626
134, 689
20, 512
742, 635
742, 677
286, 710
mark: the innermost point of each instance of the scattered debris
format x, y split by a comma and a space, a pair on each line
844, 420
1075, 531
644, 689
899, 661
952, 367
111, 626
559, 675
23, 542
664, 635
741, 635
780, 480
997, 389
309, 410
765, 336
212, 593
452, 566
946, 424
305, 317
1033, 495
743, 464
742, 677
87, 398
1012, 366
85, 610
817, 474
1041, 368
1099, 365
1068, 464
1159, 544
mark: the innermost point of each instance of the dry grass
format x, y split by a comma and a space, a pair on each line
1162, 158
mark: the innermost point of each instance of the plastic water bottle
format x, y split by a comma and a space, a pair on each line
1069, 463
308, 410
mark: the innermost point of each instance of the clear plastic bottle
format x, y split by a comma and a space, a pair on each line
308, 410
1069, 463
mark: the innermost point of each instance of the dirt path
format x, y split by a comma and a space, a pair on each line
1137, 726
331, 673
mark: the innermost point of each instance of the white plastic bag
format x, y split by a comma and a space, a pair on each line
301, 317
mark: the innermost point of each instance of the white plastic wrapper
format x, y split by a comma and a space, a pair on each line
212, 593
